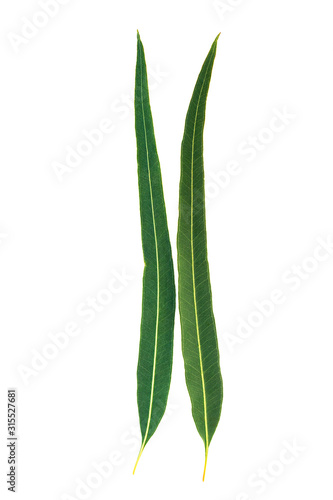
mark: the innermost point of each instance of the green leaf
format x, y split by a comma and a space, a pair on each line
158, 294
199, 338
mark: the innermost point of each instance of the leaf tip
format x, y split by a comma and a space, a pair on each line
138, 37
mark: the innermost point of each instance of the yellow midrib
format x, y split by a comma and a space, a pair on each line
158, 282
194, 287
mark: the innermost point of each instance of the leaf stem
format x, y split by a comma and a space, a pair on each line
206, 455
137, 460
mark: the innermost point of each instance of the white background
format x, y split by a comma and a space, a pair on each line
62, 240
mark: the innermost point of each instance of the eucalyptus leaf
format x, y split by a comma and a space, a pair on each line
199, 338
158, 294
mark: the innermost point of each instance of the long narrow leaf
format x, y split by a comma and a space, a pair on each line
158, 295
199, 338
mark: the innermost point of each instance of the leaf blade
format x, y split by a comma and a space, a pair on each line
199, 337
158, 296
